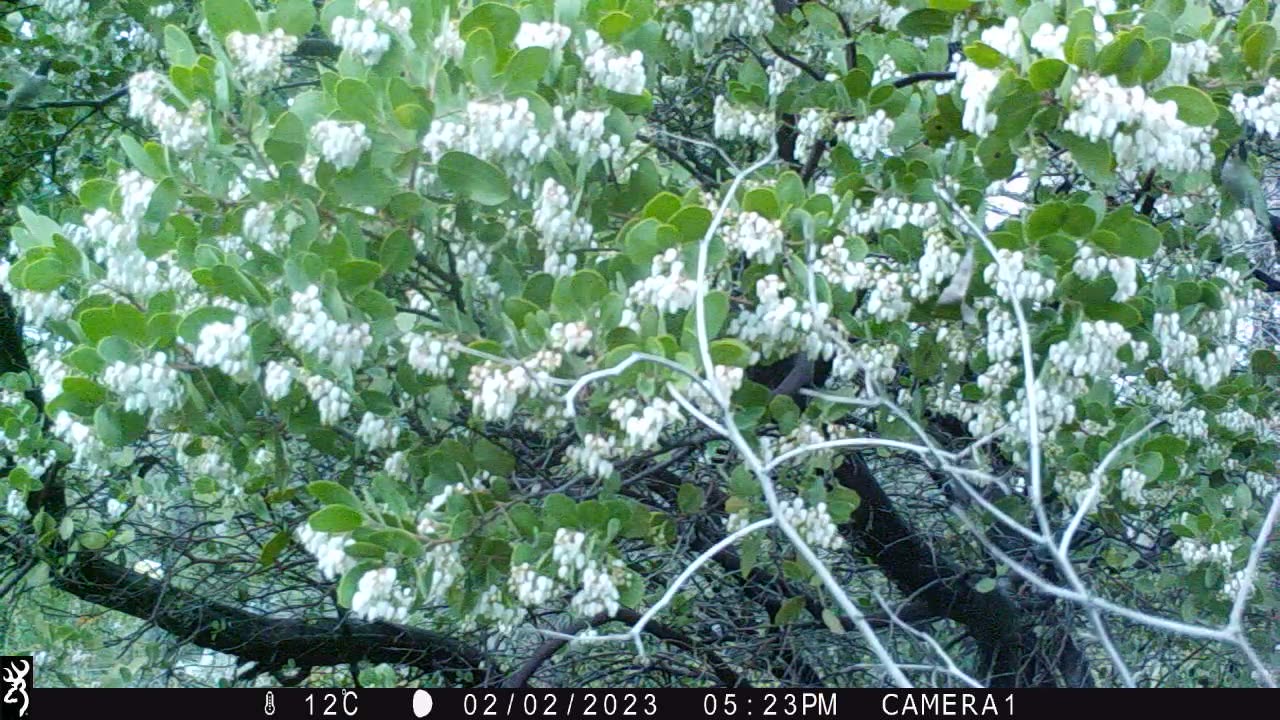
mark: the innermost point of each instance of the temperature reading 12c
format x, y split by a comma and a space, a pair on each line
332, 704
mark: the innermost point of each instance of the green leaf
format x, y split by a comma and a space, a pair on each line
1094, 158
1258, 43
1194, 106
926, 22
355, 274
525, 69
730, 351
177, 45
985, 585
763, 202
984, 55
350, 581
226, 16
613, 24
501, 21
93, 540
357, 100
117, 428
832, 621
44, 275
331, 493
295, 17
140, 158
473, 178
1046, 73
396, 540
273, 547
690, 498
1265, 362
789, 611
335, 519
1150, 464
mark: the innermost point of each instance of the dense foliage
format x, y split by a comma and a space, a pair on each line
641, 342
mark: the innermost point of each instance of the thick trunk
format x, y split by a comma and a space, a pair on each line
270, 642
915, 567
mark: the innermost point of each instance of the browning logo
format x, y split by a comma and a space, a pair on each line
16, 679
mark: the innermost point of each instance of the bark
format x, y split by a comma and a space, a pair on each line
993, 620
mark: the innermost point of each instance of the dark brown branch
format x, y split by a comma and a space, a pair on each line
804, 66
907, 560
270, 642
725, 674
924, 77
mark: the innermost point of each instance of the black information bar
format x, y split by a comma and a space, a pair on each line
719, 703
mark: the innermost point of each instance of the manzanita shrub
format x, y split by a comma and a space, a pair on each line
586, 318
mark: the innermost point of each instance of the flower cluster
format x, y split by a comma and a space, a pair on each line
756, 236
1012, 280
340, 143
258, 60
333, 402
1092, 354
584, 134
16, 505
559, 230
148, 385
1132, 483
362, 36
570, 337
643, 422
227, 347
667, 288
504, 132
329, 550
529, 587
778, 322
182, 132
495, 389
1236, 230
1123, 270
812, 125
278, 378
377, 597
493, 610
814, 524
38, 308
593, 455
1049, 40
781, 73
711, 22
65, 9
611, 70
868, 137
599, 592
734, 122
567, 552
549, 35
891, 212
1261, 111
977, 85
429, 354
1181, 352
1195, 552
1145, 134
1186, 59
377, 432
1006, 39
938, 262
310, 329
